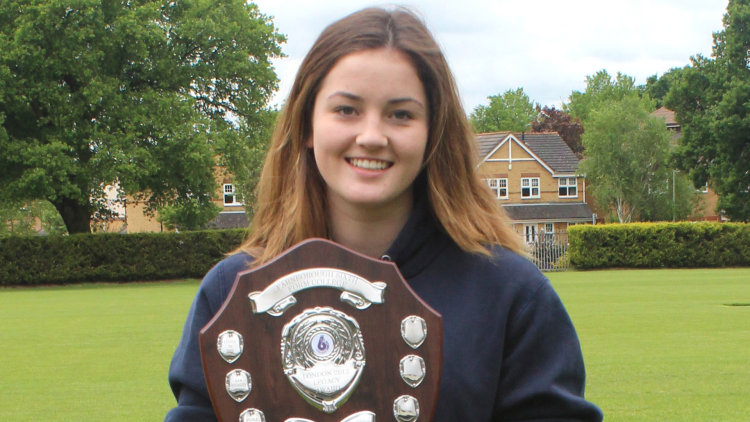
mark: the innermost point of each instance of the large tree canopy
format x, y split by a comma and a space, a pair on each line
626, 160
512, 111
627, 152
143, 95
601, 88
711, 103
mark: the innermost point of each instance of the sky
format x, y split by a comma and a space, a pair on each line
548, 47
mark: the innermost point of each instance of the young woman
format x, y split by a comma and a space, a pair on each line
373, 151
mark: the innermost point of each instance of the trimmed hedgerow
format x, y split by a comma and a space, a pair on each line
113, 257
655, 245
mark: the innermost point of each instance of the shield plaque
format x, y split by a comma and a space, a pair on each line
326, 335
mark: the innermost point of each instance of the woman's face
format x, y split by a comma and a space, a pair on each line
369, 129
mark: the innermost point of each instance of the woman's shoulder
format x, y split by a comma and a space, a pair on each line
218, 282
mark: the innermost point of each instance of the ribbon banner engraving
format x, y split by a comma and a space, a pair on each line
356, 291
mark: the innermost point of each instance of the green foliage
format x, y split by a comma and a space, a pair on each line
512, 111
113, 257
627, 163
711, 103
656, 245
141, 95
188, 215
601, 89
657, 87
19, 219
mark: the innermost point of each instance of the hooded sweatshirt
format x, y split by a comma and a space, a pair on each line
510, 352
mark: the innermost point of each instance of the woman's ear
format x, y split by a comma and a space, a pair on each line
309, 143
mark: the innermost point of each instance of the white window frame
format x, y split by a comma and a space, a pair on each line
529, 184
567, 183
229, 191
549, 228
497, 185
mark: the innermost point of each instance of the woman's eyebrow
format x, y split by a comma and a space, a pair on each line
346, 95
405, 100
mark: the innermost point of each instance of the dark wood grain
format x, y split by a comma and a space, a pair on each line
380, 325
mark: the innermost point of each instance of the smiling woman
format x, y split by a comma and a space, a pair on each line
373, 151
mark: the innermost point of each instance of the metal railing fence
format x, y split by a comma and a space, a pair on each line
549, 251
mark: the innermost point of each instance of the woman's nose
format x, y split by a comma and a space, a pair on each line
372, 135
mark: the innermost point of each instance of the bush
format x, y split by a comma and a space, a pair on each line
32, 260
655, 245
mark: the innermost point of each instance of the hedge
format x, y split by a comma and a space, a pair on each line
656, 245
32, 260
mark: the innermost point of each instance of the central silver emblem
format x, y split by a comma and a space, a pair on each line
323, 356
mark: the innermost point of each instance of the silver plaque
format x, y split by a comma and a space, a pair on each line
230, 345
364, 416
356, 291
412, 370
323, 355
239, 384
252, 415
413, 331
406, 409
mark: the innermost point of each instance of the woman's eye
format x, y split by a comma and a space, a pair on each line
346, 111
402, 115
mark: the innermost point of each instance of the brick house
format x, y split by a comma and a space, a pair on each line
534, 176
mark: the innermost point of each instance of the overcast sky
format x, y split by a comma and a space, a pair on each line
548, 47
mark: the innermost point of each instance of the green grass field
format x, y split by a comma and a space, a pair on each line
661, 345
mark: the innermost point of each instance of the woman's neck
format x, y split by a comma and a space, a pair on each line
369, 231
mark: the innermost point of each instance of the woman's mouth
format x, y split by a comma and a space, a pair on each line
369, 164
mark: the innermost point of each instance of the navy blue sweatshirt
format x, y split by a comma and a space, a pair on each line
510, 352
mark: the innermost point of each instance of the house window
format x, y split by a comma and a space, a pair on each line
229, 194
530, 187
549, 228
500, 187
567, 187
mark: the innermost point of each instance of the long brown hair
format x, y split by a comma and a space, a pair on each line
291, 199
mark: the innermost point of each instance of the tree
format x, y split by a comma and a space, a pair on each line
20, 219
512, 111
144, 95
601, 88
711, 103
553, 120
627, 156
657, 87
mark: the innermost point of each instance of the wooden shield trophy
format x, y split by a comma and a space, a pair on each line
323, 334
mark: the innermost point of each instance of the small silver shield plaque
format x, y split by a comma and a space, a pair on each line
252, 415
412, 370
323, 356
413, 331
406, 409
230, 345
239, 384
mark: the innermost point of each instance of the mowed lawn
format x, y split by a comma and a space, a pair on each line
660, 345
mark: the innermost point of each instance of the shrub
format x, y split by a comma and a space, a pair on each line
654, 245
32, 260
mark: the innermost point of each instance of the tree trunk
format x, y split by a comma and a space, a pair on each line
77, 217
